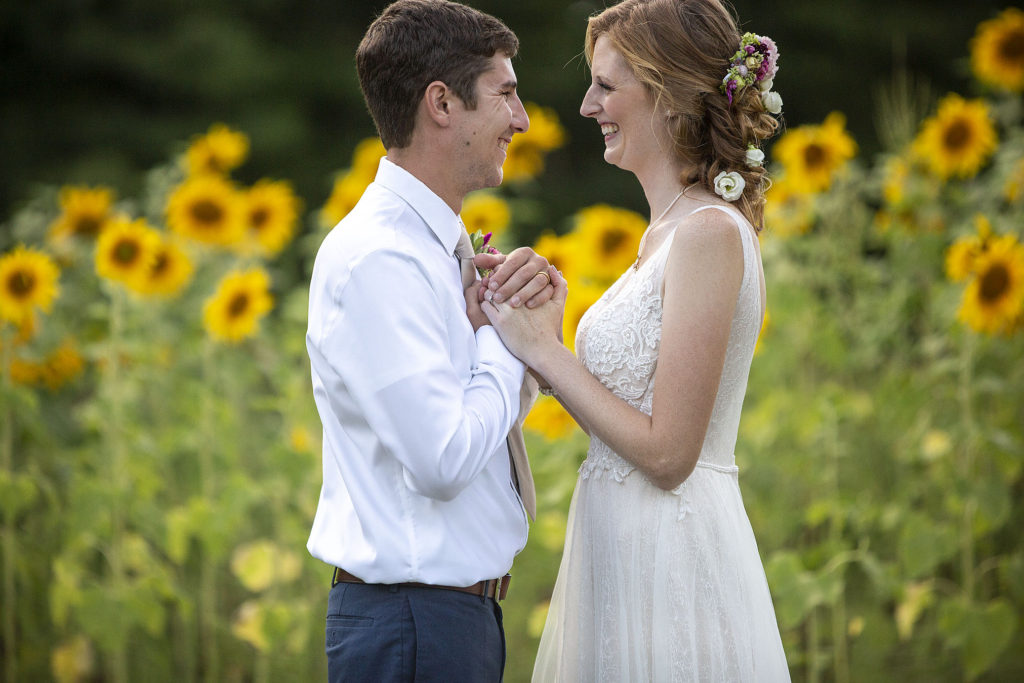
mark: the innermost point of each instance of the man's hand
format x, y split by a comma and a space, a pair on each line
521, 276
474, 295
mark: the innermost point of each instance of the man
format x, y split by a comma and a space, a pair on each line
420, 512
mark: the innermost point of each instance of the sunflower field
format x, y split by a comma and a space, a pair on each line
160, 449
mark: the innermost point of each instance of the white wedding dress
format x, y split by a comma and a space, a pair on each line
661, 585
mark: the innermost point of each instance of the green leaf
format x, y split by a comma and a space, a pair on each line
982, 632
924, 544
794, 590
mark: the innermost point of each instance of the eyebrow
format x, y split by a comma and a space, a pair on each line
508, 85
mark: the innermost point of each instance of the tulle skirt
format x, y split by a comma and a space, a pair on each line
660, 586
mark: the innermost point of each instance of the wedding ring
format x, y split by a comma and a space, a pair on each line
545, 274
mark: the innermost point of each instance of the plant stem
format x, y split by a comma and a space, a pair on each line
7, 448
114, 447
967, 466
813, 665
841, 664
207, 566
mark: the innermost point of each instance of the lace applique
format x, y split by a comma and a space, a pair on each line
618, 341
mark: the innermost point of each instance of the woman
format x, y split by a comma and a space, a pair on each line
660, 578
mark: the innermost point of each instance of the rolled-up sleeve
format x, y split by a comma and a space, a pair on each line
389, 345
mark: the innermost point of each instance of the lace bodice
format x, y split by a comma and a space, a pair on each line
619, 338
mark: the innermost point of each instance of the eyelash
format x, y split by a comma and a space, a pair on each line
605, 87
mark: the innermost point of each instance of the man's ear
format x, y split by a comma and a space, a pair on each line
437, 101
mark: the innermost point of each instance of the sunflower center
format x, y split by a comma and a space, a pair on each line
126, 252
611, 240
814, 155
239, 304
258, 218
207, 212
1011, 47
88, 225
994, 283
159, 265
21, 283
957, 135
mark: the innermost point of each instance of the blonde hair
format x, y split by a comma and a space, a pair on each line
680, 51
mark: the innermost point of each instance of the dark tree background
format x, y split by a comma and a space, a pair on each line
95, 91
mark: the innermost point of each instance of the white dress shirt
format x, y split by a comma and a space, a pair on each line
415, 407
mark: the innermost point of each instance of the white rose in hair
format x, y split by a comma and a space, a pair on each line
766, 84
729, 185
772, 101
754, 157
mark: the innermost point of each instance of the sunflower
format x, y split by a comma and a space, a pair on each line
787, 212
1013, 190
485, 212
962, 255
28, 280
525, 157
958, 140
366, 158
207, 209
125, 252
241, 300
61, 366
997, 51
348, 188
813, 155
994, 298
549, 419
609, 239
581, 298
84, 212
169, 270
219, 151
563, 252
272, 212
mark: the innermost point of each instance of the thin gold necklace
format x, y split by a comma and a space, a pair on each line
656, 221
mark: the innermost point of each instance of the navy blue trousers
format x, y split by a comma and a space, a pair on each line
386, 633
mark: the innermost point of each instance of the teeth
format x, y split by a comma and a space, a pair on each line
503, 144
609, 128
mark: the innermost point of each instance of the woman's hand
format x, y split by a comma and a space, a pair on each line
527, 332
476, 316
521, 276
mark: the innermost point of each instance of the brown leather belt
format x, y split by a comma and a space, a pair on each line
495, 589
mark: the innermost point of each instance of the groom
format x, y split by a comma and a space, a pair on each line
426, 487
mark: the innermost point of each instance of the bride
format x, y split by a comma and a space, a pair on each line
660, 578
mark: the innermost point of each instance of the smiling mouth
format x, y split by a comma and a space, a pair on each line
503, 144
609, 129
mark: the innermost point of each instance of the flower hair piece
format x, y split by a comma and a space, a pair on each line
729, 185
756, 62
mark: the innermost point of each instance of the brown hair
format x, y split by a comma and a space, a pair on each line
416, 42
680, 50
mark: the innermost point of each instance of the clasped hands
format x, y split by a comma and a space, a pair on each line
523, 298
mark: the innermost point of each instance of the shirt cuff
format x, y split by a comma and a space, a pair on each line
490, 348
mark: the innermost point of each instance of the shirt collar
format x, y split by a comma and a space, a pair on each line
438, 216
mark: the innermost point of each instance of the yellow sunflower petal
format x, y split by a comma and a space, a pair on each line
84, 212
218, 151
234, 311
485, 212
994, 298
813, 156
207, 209
525, 156
125, 251
549, 419
608, 239
958, 140
997, 51
272, 215
28, 282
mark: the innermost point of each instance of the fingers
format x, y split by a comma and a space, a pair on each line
523, 276
488, 261
550, 290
